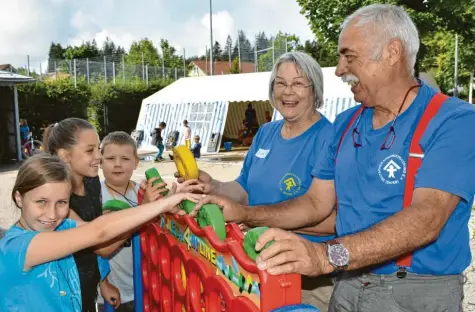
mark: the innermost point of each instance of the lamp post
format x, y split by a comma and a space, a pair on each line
211, 36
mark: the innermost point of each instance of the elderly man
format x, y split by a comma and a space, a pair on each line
400, 174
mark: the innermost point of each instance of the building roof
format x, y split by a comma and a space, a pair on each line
7, 78
222, 67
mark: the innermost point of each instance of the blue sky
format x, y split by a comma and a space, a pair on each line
30, 25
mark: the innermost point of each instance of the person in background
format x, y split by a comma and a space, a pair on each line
251, 118
25, 134
157, 140
186, 133
268, 117
196, 147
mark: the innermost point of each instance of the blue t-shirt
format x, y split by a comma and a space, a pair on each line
370, 182
278, 169
24, 130
39, 288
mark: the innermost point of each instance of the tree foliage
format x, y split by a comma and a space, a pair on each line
436, 20
44, 103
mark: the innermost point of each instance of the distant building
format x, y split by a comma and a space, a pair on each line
202, 68
8, 68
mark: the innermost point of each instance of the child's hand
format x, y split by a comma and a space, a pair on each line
173, 199
152, 193
192, 186
110, 293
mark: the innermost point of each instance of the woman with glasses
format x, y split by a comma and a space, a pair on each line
281, 158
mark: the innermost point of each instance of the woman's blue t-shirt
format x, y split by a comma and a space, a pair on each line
278, 169
49, 287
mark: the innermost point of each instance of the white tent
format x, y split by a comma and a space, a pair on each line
214, 105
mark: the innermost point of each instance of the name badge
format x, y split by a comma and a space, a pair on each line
262, 153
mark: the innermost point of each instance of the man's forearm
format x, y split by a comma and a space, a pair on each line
324, 228
396, 236
293, 214
231, 189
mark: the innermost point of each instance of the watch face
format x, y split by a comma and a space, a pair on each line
338, 255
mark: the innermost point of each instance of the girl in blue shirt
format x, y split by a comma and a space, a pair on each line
37, 267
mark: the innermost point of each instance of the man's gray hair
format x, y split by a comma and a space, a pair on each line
308, 67
388, 22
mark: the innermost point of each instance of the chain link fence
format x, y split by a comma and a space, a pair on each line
242, 57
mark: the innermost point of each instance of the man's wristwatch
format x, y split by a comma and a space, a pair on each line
338, 255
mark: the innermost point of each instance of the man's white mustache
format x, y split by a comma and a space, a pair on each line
350, 79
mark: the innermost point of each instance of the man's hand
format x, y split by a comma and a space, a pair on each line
110, 293
152, 193
232, 211
204, 179
291, 253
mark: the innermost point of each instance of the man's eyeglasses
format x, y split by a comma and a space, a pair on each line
388, 141
390, 137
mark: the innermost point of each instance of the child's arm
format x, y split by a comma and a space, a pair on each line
106, 249
48, 246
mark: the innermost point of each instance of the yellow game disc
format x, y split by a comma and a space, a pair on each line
185, 163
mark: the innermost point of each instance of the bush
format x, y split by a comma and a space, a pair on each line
44, 103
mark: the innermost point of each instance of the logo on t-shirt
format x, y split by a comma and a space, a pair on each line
290, 184
392, 169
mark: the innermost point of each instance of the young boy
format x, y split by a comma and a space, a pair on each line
119, 160
196, 147
157, 140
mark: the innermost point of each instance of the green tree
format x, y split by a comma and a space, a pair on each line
217, 51
247, 51
87, 49
235, 66
171, 60
227, 47
438, 19
262, 42
55, 51
150, 53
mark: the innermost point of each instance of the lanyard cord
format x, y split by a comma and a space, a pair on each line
130, 201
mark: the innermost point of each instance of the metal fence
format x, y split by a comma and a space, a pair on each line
114, 69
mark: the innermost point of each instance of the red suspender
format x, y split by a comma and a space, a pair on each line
352, 120
414, 160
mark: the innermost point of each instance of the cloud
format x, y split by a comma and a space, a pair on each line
184, 23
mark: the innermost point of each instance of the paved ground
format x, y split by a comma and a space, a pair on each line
225, 167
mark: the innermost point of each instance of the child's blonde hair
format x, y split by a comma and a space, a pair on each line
119, 138
39, 170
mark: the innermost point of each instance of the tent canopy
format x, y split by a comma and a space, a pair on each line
242, 88
233, 88
8, 79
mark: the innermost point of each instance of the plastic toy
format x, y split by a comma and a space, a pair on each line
185, 163
115, 205
152, 173
203, 264
249, 243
